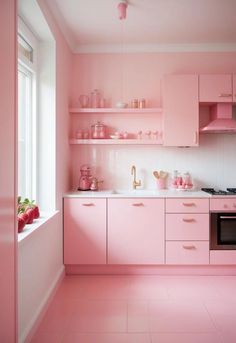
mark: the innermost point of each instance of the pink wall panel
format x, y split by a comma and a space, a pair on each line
7, 172
123, 77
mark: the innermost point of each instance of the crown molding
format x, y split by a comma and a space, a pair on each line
149, 48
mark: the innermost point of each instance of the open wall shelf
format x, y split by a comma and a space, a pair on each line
115, 110
115, 141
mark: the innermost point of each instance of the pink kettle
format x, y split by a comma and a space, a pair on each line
85, 178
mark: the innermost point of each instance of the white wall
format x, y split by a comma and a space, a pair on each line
39, 269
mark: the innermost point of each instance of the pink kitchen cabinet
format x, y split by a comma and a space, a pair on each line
187, 252
136, 231
84, 231
220, 257
187, 205
223, 204
215, 88
187, 231
180, 110
234, 88
187, 226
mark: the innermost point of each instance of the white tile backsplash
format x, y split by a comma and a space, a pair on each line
212, 164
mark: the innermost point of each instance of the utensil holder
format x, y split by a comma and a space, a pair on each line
161, 183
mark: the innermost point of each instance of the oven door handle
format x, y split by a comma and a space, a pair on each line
227, 217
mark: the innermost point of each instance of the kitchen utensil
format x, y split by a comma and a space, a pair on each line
156, 174
121, 104
163, 174
84, 100
94, 184
115, 137
98, 131
95, 99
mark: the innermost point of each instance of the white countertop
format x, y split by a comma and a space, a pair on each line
166, 193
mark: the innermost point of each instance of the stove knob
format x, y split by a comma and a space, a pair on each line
234, 205
225, 206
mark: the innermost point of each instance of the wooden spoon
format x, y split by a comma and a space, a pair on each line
163, 174
156, 174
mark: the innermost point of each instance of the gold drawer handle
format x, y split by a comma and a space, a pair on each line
225, 95
189, 247
188, 204
88, 204
188, 220
138, 204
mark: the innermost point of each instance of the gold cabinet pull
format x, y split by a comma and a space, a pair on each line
225, 95
188, 204
188, 220
189, 247
88, 204
138, 204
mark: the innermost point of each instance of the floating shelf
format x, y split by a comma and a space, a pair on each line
115, 142
115, 110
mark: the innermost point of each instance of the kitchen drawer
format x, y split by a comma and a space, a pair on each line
187, 227
187, 252
187, 205
223, 204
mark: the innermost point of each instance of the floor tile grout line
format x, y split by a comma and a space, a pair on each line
212, 318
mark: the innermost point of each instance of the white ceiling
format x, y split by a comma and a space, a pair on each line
93, 25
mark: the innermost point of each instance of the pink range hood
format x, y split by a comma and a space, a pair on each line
221, 120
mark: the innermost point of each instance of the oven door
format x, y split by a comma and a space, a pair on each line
223, 231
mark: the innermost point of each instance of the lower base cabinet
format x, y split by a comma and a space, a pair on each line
136, 231
187, 252
84, 231
226, 257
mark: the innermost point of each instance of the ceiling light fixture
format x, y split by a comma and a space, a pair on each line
122, 6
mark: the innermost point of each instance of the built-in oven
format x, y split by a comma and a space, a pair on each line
223, 231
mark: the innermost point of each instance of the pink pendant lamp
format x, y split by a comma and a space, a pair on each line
122, 6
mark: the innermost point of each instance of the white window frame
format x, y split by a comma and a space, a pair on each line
30, 67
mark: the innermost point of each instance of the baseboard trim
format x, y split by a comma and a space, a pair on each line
149, 270
30, 330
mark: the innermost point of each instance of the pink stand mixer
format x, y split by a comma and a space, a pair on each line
85, 178
87, 181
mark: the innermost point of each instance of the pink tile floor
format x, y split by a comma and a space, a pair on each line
141, 309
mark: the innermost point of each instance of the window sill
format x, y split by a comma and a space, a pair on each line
37, 224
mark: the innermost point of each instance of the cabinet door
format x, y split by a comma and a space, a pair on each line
84, 231
136, 231
180, 110
234, 88
215, 88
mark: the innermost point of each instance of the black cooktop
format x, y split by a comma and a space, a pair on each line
212, 191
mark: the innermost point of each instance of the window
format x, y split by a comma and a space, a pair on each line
25, 158
27, 150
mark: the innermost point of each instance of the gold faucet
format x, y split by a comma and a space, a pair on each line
135, 183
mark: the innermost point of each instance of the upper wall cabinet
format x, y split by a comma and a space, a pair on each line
216, 88
180, 110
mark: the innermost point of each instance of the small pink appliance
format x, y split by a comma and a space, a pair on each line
85, 178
